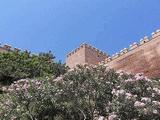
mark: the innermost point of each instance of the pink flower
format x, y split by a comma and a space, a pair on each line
139, 76
128, 95
157, 90
17, 89
120, 72
145, 111
112, 117
10, 89
155, 111
118, 92
38, 83
121, 91
101, 118
135, 96
157, 103
4, 88
153, 94
113, 91
149, 88
25, 86
58, 79
129, 80
146, 99
139, 104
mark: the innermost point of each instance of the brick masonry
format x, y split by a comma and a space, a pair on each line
6, 48
143, 57
85, 54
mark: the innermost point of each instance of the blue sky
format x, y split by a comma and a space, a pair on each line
62, 25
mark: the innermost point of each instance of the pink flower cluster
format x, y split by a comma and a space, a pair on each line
112, 116
139, 104
123, 92
156, 103
157, 90
138, 77
24, 85
120, 72
129, 95
146, 99
118, 92
19, 85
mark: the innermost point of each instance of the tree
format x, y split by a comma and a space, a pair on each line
19, 65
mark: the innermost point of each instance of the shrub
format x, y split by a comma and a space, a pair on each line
83, 93
19, 65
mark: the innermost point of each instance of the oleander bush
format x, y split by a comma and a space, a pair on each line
85, 93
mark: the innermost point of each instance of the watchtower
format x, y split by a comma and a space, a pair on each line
85, 54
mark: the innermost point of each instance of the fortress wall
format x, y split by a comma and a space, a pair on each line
7, 48
139, 58
93, 56
85, 54
142, 57
2, 50
76, 57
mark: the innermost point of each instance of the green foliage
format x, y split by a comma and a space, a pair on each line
75, 96
85, 93
18, 65
89, 89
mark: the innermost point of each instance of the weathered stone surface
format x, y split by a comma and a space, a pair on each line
3, 50
74, 59
144, 59
85, 54
139, 58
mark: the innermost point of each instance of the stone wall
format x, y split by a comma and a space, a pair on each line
85, 54
76, 57
93, 56
139, 58
142, 57
6, 48
2, 49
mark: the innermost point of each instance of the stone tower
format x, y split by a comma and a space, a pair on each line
85, 54
5, 48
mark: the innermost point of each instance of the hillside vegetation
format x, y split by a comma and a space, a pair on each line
42, 89
19, 65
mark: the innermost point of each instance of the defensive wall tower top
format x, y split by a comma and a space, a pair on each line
85, 45
7, 48
85, 54
133, 46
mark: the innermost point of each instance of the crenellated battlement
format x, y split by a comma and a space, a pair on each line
156, 33
139, 57
88, 54
7, 48
134, 46
85, 54
84, 45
